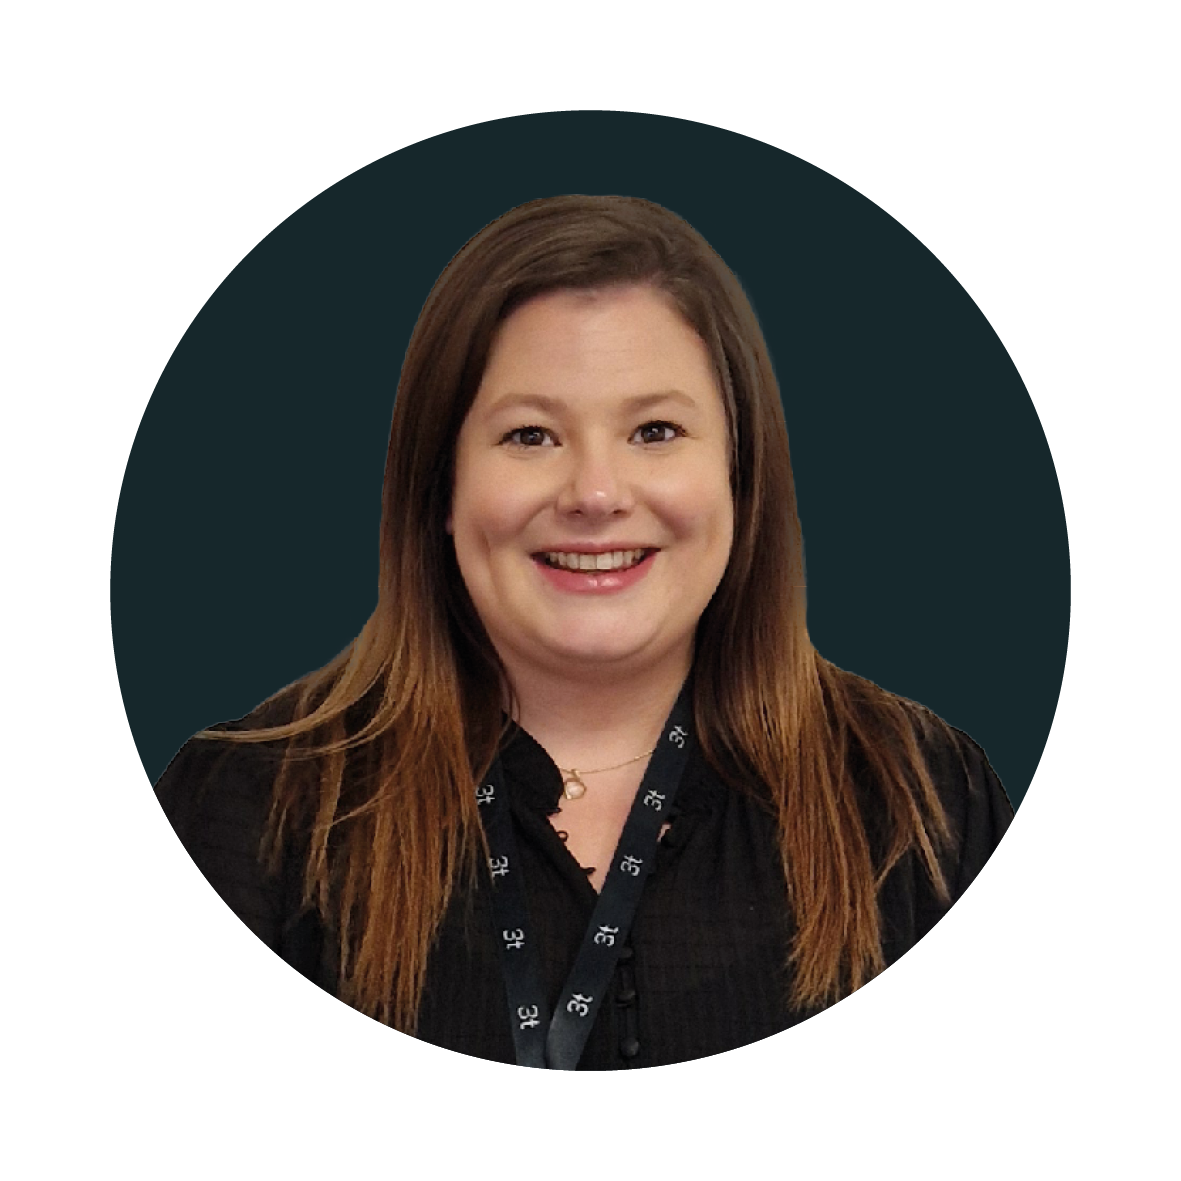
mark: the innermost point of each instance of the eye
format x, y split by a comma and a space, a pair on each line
658, 432
528, 436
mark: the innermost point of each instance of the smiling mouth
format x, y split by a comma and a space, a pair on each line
593, 563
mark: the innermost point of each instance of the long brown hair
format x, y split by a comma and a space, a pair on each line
382, 745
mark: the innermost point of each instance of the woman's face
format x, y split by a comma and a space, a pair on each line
591, 511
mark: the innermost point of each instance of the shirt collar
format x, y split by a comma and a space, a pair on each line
536, 782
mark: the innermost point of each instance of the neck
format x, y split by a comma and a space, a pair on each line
597, 721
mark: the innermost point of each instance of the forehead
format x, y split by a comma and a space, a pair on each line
616, 340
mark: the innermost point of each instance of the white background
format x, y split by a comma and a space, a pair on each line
149, 147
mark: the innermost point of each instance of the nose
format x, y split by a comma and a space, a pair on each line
596, 484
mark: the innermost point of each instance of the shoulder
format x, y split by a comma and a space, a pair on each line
217, 795
974, 801
216, 788
217, 781
889, 731
220, 754
900, 727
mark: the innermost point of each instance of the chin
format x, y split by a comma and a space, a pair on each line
605, 656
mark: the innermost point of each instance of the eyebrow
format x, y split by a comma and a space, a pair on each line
548, 405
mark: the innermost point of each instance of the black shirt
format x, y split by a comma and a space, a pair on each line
704, 970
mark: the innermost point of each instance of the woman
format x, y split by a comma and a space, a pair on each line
582, 793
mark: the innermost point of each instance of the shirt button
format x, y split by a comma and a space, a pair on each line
629, 1047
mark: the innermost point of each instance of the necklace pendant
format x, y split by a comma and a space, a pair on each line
572, 786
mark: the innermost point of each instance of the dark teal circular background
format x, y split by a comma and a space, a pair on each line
245, 547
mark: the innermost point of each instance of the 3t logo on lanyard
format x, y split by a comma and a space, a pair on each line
529, 1016
655, 800
514, 940
677, 735
498, 865
579, 1004
485, 793
631, 865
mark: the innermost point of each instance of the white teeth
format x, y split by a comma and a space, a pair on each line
616, 560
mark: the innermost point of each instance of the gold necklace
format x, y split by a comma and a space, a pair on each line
572, 786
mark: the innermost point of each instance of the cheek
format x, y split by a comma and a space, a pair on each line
703, 507
487, 512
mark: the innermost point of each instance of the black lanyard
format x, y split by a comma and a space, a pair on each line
557, 1043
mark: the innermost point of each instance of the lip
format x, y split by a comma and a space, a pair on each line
599, 582
585, 547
